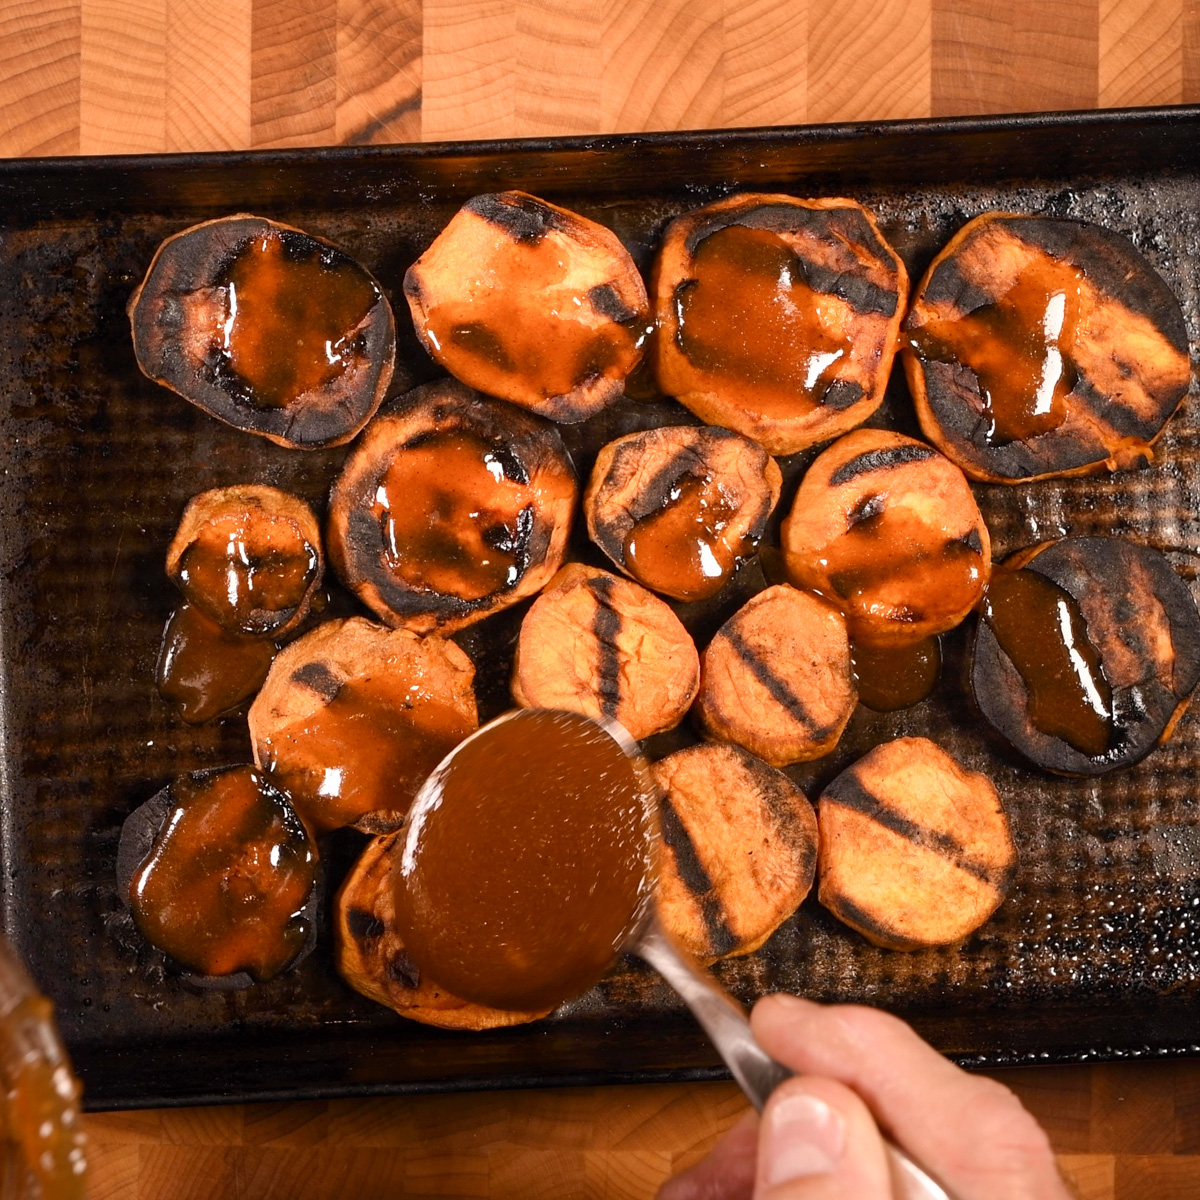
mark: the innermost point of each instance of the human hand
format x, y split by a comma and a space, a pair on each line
858, 1070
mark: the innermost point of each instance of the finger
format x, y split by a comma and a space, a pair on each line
970, 1132
725, 1173
817, 1141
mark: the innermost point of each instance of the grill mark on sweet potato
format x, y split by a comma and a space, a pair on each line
695, 878
883, 459
363, 925
866, 923
606, 627
776, 687
850, 793
317, 677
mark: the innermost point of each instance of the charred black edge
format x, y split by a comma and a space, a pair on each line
523, 218
776, 687
195, 257
870, 926
846, 221
695, 878
848, 791
517, 436
606, 628
885, 458
607, 301
363, 925
317, 677
140, 831
782, 797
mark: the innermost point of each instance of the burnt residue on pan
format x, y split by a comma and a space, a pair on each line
1097, 948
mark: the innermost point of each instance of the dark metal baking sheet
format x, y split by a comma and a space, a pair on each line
1095, 954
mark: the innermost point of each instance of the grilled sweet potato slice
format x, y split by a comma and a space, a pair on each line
249, 556
915, 848
679, 508
1087, 653
889, 531
353, 717
596, 644
532, 303
739, 849
1040, 347
371, 956
777, 678
266, 328
778, 317
450, 508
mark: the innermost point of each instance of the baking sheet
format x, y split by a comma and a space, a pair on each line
1096, 953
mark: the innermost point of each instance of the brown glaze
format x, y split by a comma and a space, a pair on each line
750, 316
531, 303
451, 506
229, 874
887, 529
682, 549
526, 865
1019, 347
452, 520
205, 670
292, 318
374, 748
894, 677
1040, 628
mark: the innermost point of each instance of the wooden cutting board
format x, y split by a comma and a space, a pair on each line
143, 76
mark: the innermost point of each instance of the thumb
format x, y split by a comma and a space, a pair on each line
818, 1141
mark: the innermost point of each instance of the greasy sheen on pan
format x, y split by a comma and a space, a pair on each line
777, 678
597, 644
1040, 347
739, 849
372, 959
267, 328
353, 717
249, 556
532, 303
915, 848
887, 529
778, 317
679, 507
451, 507
1086, 654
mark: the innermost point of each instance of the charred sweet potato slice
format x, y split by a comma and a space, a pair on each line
888, 530
532, 303
371, 956
267, 328
679, 508
1040, 347
596, 644
1086, 654
219, 873
450, 508
353, 717
777, 678
248, 556
915, 848
204, 670
778, 317
739, 849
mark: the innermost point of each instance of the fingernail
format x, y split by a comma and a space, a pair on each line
804, 1137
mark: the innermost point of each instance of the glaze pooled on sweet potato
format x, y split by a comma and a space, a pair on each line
267, 328
778, 317
777, 678
1041, 347
596, 644
532, 303
915, 848
888, 530
451, 507
678, 508
353, 717
739, 849
1087, 653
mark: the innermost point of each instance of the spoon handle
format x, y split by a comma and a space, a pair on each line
756, 1073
